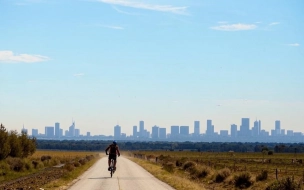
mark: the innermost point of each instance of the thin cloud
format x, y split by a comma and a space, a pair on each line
274, 23
123, 12
113, 27
234, 27
294, 45
10, 57
142, 5
78, 74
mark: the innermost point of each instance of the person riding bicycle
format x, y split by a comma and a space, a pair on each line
113, 152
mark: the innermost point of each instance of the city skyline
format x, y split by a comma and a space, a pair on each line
201, 127
165, 62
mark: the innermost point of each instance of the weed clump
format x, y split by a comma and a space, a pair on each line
169, 167
262, 176
286, 183
188, 165
203, 172
15, 164
242, 180
222, 175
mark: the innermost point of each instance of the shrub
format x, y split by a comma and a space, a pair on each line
262, 176
204, 172
242, 180
76, 164
286, 183
83, 161
28, 164
43, 158
222, 175
270, 152
69, 167
169, 167
15, 164
188, 165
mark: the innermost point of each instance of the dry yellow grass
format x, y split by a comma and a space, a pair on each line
175, 180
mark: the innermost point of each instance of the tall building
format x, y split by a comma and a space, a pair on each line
277, 127
34, 132
155, 132
174, 131
117, 132
60, 132
135, 131
196, 128
233, 130
23, 130
184, 130
72, 130
77, 132
49, 132
245, 128
88, 134
255, 129
162, 133
141, 128
57, 129
210, 128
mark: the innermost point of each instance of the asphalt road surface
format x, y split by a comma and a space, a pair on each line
128, 176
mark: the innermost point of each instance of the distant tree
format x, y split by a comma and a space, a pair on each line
4, 144
28, 145
15, 146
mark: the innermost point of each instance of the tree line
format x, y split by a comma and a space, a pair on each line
14, 144
100, 145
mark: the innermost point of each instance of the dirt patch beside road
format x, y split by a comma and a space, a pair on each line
34, 181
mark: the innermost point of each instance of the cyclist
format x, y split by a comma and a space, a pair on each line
113, 152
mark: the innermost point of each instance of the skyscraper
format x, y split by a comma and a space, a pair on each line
277, 127
245, 128
162, 133
155, 132
72, 130
135, 131
57, 130
196, 128
184, 130
174, 131
210, 128
49, 131
141, 128
233, 130
34, 132
117, 132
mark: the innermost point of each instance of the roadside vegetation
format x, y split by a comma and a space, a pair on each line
226, 170
24, 167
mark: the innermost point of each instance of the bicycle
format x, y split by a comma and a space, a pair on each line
112, 170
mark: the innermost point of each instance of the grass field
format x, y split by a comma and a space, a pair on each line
220, 170
39, 168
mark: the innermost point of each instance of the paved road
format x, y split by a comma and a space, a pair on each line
128, 176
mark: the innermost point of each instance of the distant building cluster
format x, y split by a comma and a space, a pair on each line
244, 133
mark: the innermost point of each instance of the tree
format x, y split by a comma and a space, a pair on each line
4, 144
28, 146
15, 145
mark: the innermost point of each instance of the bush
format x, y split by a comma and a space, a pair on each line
270, 152
76, 164
203, 173
83, 161
15, 164
242, 180
169, 167
222, 175
287, 183
28, 164
262, 176
43, 158
188, 165
69, 167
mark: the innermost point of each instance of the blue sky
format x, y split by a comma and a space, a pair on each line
104, 62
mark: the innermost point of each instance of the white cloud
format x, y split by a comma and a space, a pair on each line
124, 12
234, 27
10, 57
142, 5
295, 44
274, 23
78, 74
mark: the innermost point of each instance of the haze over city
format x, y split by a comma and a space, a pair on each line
108, 62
